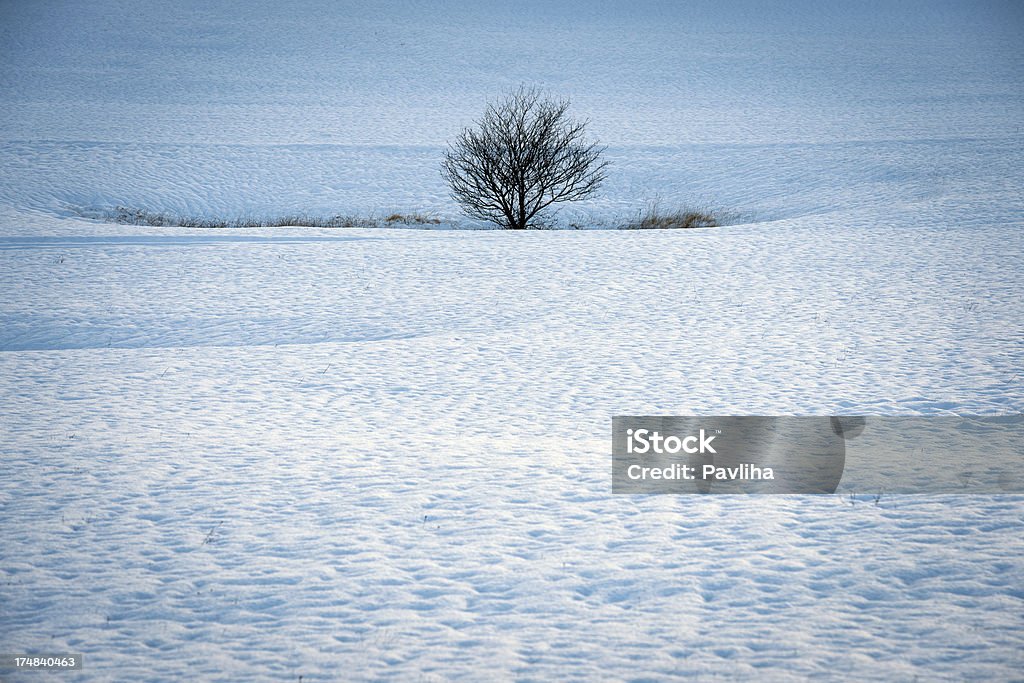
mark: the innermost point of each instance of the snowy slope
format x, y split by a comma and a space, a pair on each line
246, 108
362, 454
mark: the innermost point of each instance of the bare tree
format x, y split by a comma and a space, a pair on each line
524, 155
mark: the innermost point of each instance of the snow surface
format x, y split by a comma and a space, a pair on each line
260, 454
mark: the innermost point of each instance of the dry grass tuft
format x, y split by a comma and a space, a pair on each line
412, 219
653, 218
132, 216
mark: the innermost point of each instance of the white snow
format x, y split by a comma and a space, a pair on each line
359, 454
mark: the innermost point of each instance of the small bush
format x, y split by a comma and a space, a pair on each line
522, 157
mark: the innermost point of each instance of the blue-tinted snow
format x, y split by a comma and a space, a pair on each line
269, 453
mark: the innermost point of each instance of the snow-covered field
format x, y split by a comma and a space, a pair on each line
260, 454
